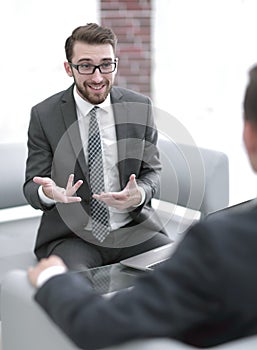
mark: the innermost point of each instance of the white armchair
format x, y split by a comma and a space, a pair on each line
194, 180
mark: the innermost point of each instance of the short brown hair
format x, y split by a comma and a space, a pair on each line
91, 33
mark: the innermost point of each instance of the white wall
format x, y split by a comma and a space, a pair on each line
202, 52
33, 34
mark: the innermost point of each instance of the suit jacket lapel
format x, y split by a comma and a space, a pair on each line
120, 112
71, 122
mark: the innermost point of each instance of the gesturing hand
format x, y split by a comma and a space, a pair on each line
59, 194
128, 197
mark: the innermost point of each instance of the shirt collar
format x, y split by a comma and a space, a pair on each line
85, 107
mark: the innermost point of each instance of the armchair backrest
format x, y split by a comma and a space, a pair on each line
12, 174
193, 177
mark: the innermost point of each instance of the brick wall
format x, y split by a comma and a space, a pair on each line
131, 22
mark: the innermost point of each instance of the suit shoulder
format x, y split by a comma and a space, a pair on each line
129, 95
231, 221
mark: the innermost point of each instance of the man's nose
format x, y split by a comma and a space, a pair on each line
97, 76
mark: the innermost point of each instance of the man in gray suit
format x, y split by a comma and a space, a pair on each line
57, 175
204, 295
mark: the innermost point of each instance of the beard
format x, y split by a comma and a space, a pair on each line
93, 97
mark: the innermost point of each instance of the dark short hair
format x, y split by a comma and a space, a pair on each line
91, 33
250, 99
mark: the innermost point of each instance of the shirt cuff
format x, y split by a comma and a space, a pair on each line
48, 273
44, 199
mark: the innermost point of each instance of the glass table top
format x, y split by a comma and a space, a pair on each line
111, 278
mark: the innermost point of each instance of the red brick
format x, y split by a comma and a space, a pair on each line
131, 21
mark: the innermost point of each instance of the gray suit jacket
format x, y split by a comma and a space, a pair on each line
55, 150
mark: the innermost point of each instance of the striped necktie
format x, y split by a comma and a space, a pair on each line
99, 210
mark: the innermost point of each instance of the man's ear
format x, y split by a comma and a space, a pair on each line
68, 69
250, 136
250, 141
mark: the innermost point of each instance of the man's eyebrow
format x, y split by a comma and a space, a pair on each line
89, 60
85, 59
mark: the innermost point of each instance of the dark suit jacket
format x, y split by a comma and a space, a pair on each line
204, 295
55, 150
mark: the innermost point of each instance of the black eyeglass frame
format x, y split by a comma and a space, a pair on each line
94, 67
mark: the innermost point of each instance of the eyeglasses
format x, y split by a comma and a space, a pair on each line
87, 68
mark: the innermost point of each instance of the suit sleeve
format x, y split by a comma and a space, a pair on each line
149, 177
174, 301
39, 161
